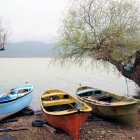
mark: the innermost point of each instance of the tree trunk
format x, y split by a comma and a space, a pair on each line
2, 47
135, 73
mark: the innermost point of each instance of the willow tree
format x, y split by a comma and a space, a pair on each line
106, 30
4, 33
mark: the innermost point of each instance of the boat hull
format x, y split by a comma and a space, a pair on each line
11, 107
126, 114
70, 123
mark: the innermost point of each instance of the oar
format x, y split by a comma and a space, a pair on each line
12, 129
74, 107
96, 101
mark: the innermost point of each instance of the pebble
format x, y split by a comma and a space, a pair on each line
103, 132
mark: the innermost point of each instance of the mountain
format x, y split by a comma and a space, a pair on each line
28, 49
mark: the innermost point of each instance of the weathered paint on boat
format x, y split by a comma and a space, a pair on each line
69, 123
68, 120
15, 102
125, 110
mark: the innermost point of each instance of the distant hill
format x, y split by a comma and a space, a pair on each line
28, 49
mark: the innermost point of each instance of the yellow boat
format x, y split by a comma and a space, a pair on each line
63, 111
110, 106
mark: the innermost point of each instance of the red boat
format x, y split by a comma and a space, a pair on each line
63, 111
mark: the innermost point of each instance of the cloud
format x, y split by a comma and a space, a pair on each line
33, 19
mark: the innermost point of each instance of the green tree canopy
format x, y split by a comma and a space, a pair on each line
107, 30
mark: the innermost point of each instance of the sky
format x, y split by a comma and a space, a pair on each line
33, 20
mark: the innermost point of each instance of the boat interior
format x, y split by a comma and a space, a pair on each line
98, 95
60, 101
20, 91
23, 91
101, 97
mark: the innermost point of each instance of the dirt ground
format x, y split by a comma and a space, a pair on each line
93, 129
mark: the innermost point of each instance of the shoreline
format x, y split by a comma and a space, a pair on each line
96, 129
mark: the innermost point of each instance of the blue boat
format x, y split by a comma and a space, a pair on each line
15, 100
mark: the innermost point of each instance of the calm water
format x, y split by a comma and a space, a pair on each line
39, 72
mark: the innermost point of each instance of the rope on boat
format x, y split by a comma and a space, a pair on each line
127, 94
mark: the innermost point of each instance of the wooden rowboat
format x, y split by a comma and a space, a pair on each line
15, 100
63, 111
109, 105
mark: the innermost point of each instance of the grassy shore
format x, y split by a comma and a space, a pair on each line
96, 129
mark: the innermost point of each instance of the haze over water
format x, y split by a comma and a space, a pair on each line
38, 71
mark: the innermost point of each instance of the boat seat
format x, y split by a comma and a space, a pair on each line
52, 94
57, 102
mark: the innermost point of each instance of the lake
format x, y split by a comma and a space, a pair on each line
39, 72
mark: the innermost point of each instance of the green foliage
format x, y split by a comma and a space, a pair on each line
100, 29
